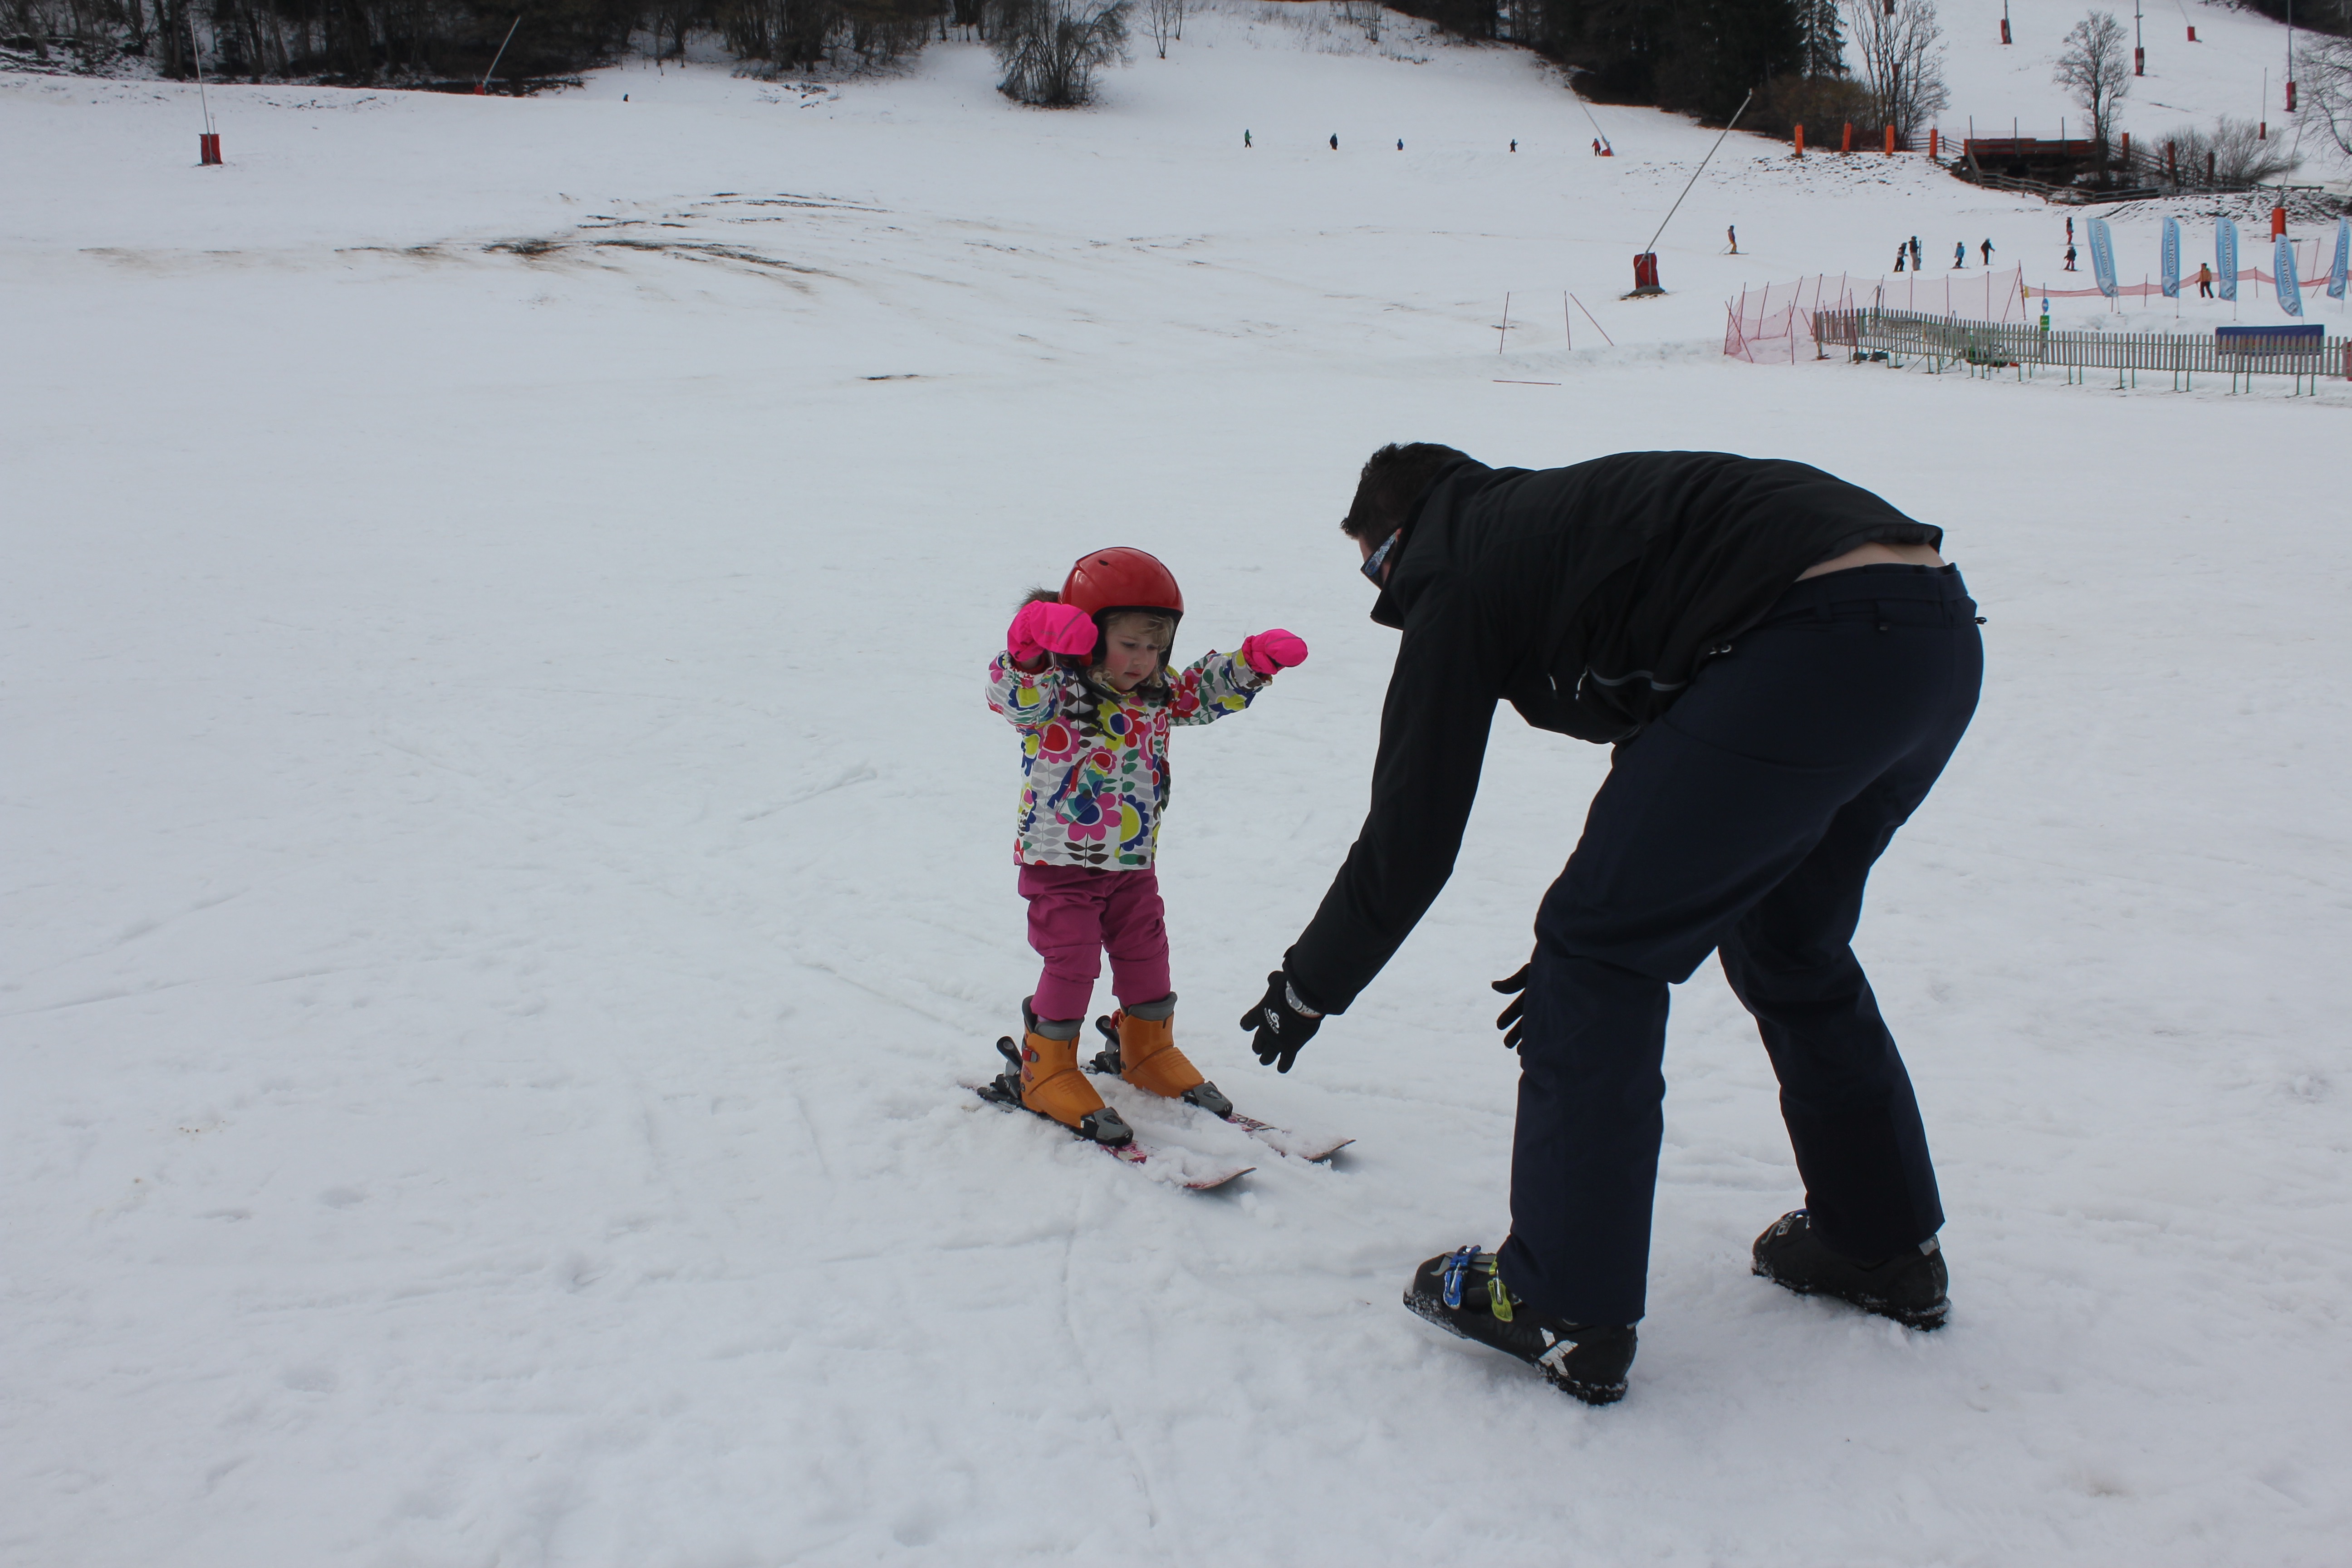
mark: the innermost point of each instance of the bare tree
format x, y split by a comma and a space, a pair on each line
1364, 14
2096, 65
1050, 49
2326, 67
1902, 50
2231, 155
1163, 19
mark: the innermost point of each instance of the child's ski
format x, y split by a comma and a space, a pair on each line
1281, 1140
1183, 1168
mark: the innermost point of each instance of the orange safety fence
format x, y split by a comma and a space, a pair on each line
1774, 324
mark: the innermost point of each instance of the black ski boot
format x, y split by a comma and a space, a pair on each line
1460, 1291
1908, 1287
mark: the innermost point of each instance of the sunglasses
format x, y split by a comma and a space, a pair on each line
1378, 558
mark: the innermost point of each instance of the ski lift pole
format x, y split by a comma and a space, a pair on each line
483, 85
1645, 265
208, 139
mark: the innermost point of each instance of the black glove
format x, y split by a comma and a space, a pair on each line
1281, 1027
1513, 1019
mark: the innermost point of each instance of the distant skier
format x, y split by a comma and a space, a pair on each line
1901, 252
1515, 143
2070, 230
1783, 663
1335, 141
1959, 254
1399, 143
2070, 259
1988, 253
2204, 280
1731, 233
1917, 264
1245, 141
1083, 677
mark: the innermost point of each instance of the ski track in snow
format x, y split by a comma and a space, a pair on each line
507, 861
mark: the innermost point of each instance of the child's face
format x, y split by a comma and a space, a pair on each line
1132, 650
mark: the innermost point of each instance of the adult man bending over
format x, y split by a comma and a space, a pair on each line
1784, 664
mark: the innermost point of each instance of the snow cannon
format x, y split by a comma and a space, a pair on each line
207, 148
1645, 275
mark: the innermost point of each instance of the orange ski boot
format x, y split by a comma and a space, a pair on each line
1145, 1054
1052, 1085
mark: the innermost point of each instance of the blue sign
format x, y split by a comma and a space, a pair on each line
2103, 257
2225, 254
2290, 292
2172, 259
2342, 259
2310, 339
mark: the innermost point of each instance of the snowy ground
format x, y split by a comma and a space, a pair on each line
507, 861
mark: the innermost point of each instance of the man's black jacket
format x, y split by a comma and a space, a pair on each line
1588, 597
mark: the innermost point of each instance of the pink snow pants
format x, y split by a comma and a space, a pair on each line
1076, 915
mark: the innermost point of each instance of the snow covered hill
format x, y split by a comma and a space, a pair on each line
2224, 72
507, 861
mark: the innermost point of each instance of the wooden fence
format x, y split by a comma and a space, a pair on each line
1951, 342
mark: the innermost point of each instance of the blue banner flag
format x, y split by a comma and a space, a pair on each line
2290, 292
2343, 264
2225, 254
2103, 257
2172, 259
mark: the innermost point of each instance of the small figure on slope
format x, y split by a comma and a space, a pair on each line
1085, 678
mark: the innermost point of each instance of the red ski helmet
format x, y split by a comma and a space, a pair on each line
1122, 578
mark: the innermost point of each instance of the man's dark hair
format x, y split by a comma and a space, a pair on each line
1393, 479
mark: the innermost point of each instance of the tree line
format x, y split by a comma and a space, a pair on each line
1873, 64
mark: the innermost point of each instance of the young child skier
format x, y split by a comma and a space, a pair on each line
1084, 678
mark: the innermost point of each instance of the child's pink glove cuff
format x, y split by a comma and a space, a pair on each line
1277, 649
1047, 628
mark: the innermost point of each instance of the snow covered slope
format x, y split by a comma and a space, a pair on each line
2222, 73
507, 862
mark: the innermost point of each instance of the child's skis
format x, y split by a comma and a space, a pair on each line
1183, 1168
1281, 1140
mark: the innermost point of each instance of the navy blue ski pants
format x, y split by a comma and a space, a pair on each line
1745, 821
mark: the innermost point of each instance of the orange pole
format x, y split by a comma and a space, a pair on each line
1849, 138
1890, 141
1935, 142
1800, 140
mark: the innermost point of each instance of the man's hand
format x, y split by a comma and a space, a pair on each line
1513, 1019
1282, 1026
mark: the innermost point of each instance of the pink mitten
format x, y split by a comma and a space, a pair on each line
1047, 628
1277, 649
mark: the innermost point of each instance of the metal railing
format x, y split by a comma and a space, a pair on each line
1953, 342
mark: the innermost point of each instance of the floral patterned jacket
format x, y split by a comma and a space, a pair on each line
1095, 768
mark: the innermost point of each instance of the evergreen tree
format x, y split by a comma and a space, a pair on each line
1823, 42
